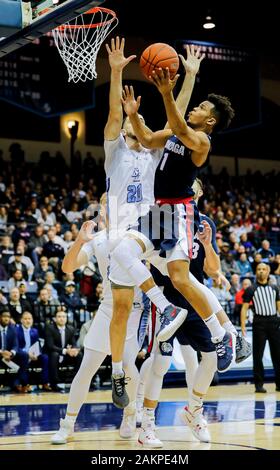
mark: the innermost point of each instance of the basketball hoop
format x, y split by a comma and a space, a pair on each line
78, 41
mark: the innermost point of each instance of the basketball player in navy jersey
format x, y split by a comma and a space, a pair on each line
193, 332
186, 148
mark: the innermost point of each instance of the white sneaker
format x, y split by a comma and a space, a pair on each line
128, 424
197, 423
64, 434
147, 438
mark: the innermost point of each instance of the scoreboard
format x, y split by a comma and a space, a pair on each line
36, 79
229, 71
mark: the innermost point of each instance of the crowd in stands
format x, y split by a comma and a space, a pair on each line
42, 206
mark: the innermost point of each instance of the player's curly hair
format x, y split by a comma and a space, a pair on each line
223, 111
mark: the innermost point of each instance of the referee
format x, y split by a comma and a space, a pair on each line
266, 324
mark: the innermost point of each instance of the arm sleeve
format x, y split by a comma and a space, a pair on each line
213, 241
248, 294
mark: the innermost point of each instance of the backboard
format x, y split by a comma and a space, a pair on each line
42, 18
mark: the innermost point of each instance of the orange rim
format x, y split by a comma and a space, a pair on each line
93, 25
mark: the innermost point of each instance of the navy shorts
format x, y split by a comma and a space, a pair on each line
164, 225
192, 332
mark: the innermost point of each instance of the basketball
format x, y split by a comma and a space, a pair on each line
159, 55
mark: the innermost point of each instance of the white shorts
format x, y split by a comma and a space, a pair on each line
98, 336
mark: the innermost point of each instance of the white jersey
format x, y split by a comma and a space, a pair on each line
99, 247
130, 182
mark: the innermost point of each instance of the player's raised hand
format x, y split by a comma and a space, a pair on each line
117, 60
130, 104
194, 58
161, 78
205, 237
86, 231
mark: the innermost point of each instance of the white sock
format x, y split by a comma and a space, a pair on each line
195, 402
117, 368
157, 297
217, 332
148, 416
228, 326
70, 419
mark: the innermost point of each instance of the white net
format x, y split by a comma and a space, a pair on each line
79, 40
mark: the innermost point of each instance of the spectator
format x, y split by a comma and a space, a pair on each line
98, 293
74, 215
36, 244
17, 305
46, 219
23, 292
239, 301
244, 266
50, 281
85, 328
257, 259
221, 292
249, 248
229, 266
266, 252
51, 249
34, 209
41, 270
61, 347
28, 336
44, 307
18, 265
70, 298
15, 280
25, 260
9, 351
21, 232
68, 240
6, 250
235, 284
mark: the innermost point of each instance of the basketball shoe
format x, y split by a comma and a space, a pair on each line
65, 433
119, 394
171, 318
197, 423
128, 424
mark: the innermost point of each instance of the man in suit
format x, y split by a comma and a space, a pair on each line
27, 336
10, 352
17, 305
61, 347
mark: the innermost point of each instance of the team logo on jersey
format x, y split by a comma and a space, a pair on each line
136, 175
175, 147
166, 347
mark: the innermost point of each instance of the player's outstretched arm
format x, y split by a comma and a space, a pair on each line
74, 257
117, 63
148, 138
195, 141
191, 65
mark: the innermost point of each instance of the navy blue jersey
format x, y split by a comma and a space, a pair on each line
198, 255
196, 268
175, 172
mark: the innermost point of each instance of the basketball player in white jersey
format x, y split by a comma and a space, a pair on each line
97, 342
130, 170
174, 239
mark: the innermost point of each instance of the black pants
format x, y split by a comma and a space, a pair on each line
67, 360
266, 328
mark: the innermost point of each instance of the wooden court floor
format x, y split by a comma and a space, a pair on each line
238, 419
